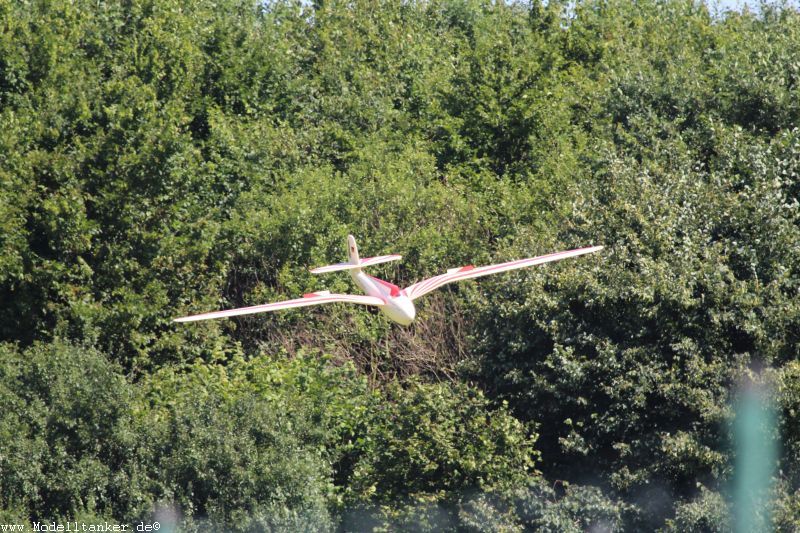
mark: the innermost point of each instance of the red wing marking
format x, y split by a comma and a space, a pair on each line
394, 290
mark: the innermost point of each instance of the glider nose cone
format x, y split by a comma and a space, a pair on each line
401, 310
408, 309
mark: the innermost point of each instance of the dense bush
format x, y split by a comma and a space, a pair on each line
247, 446
66, 433
166, 157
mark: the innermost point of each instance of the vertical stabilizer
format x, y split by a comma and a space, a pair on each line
352, 250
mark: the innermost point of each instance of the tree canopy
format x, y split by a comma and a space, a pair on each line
165, 157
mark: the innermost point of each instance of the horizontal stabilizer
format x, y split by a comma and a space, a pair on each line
367, 261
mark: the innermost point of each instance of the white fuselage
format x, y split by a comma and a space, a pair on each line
399, 307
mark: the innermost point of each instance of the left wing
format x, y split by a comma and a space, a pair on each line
468, 272
314, 298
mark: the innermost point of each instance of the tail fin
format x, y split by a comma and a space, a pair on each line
352, 250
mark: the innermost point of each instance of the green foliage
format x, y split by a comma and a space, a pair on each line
626, 359
269, 444
250, 445
432, 448
425, 433
65, 432
165, 157
576, 508
707, 512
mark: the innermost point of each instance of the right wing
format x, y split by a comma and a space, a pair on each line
468, 272
314, 298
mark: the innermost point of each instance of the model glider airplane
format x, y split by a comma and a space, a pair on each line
394, 302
